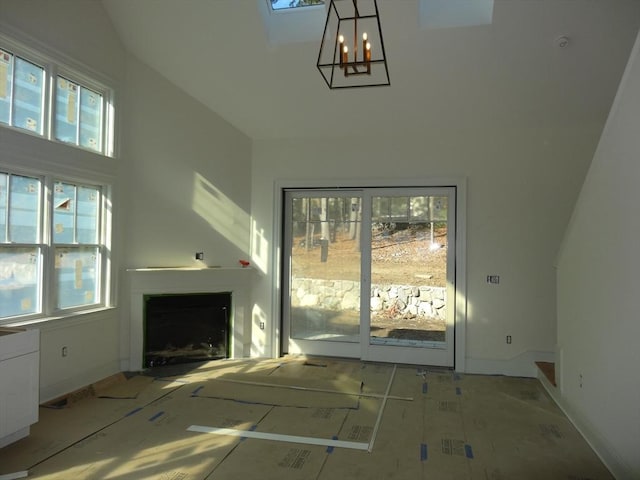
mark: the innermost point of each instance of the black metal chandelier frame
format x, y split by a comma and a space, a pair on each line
356, 72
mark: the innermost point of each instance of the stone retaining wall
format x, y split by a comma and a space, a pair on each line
405, 300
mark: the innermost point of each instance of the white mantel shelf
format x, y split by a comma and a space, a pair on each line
178, 280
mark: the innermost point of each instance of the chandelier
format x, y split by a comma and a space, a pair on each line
352, 50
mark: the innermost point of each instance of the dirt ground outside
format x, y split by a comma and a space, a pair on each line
399, 257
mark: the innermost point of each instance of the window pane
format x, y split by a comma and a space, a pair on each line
419, 209
66, 121
64, 212
6, 84
399, 209
24, 209
19, 273
28, 96
88, 198
76, 276
90, 119
438, 207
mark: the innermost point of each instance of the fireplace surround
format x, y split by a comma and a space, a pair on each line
148, 282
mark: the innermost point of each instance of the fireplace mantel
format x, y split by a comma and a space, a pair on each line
176, 280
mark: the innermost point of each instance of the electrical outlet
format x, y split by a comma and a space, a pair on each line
65, 351
580, 380
509, 339
261, 325
493, 279
199, 255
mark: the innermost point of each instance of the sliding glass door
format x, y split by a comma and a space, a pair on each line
323, 241
369, 274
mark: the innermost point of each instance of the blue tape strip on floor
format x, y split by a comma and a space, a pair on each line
458, 391
457, 377
424, 387
157, 415
468, 452
195, 392
133, 412
423, 452
331, 447
252, 428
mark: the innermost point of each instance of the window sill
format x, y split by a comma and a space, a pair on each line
69, 318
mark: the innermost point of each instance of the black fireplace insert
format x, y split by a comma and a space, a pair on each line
181, 328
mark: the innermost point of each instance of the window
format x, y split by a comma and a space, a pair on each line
76, 220
73, 254
20, 247
74, 109
21, 93
78, 115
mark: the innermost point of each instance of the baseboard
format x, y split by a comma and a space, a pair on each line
14, 437
522, 365
617, 467
78, 383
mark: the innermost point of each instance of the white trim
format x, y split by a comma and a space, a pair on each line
278, 437
521, 365
12, 476
616, 465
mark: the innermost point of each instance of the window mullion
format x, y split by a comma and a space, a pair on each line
76, 204
78, 97
8, 213
13, 89
48, 252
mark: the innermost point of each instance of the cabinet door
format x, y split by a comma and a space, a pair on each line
18, 393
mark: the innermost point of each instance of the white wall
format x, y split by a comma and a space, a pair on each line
598, 285
185, 177
184, 181
181, 179
522, 185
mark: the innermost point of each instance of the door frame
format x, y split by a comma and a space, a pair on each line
460, 185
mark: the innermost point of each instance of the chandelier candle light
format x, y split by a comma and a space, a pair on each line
342, 65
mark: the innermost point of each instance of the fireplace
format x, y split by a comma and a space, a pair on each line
186, 327
172, 281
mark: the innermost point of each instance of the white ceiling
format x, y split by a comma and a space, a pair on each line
234, 57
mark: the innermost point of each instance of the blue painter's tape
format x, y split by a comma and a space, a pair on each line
251, 429
330, 448
133, 412
423, 452
468, 451
424, 387
457, 377
157, 415
197, 390
458, 391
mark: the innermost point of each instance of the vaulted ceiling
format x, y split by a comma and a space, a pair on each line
257, 69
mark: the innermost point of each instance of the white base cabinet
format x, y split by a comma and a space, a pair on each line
19, 382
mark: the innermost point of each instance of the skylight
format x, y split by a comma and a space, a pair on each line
280, 26
290, 4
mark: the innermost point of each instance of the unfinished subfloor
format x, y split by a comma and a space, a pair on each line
305, 418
